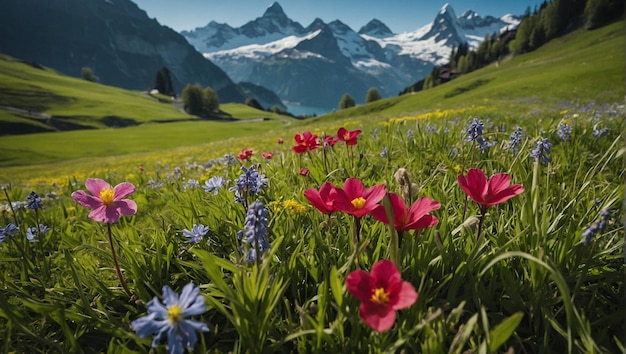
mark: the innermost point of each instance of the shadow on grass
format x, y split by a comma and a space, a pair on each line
459, 90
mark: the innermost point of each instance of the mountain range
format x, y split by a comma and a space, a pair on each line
315, 65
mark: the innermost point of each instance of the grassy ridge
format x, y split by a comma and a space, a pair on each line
583, 65
70, 103
37, 99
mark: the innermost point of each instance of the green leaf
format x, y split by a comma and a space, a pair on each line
336, 286
501, 333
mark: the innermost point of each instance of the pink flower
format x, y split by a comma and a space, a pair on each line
354, 199
488, 192
107, 203
416, 217
350, 137
267, 155
321, 199
381, 292
304, 172
280, 141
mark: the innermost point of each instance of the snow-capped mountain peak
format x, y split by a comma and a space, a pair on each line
447, 10
468, 15
257, 51
445, 27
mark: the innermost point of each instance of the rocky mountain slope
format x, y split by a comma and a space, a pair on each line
116, 39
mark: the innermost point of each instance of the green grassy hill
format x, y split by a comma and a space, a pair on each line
37, 99
579, 68
582, 66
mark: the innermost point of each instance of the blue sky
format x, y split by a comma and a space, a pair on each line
398, 15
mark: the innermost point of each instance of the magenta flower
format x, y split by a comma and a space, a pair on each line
415, 218
354, 199
107, 203
321, 199
381, 292
487, 192
349, 136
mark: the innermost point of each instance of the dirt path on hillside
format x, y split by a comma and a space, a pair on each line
42, 115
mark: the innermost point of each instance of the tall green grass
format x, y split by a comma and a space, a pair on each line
530, 283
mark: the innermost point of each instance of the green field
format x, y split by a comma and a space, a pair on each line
530, 261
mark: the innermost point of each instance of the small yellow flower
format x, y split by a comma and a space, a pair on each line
293, 207
275, 205
457, 168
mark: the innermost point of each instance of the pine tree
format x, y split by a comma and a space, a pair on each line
428, 82
163, 82
522, 37
600, 12
462, 67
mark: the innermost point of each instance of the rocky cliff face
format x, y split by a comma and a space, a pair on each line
114, 38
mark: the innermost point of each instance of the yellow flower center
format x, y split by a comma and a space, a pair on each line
174, 313
380, 296
358, 203
106, 195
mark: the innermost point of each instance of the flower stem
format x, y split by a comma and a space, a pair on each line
117, 266
257, 251
483, 212
356, 229
17, 223
394, 237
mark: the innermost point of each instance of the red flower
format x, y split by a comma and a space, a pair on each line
350, 137
280, 141
267, 155
330, 140
381, 292
304, 172
488, 192
305, 142
416, 217
245, 154
355, 200
321, 199
141, 168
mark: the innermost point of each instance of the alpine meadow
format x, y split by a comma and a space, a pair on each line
479, 215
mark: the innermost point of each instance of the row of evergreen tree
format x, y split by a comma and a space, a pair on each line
550, 20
